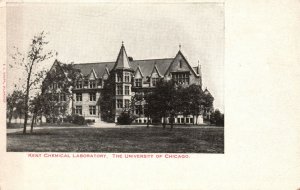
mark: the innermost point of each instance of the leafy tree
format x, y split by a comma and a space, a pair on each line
196, 98
36, 108
207, 104
15, 104
36, 55
161, 101
217, 118
61, 78
107, 101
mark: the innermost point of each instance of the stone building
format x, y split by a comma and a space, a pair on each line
131, 77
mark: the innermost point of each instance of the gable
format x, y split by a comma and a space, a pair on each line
180, 64
92, 75
138, 73
155, 73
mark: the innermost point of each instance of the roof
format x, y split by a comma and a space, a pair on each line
122, 60
99, 67
146, 66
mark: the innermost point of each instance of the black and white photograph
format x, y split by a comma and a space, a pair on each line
132, 94
115, 78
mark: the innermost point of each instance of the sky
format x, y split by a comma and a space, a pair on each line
94, 32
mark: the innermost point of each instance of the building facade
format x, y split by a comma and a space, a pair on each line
131, 78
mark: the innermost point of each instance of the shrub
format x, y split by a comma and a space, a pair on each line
125, 119
217, 118
69, 119
79, 120
89, 121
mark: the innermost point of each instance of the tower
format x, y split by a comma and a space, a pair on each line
123, 76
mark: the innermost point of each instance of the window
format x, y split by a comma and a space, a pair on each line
119, 90
126, 90
62, 97
92, 96
78, 97
119, 77
181, 78
92, 110
126, 103
127, 77
100, 82
79, 84
92, 84
138, 82
138, 110
180, 63
119, 103
154, 81
192, 120
78, 110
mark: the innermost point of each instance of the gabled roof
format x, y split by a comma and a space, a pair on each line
94, 73
155, 70
57, 64
148, 65
181, 54
100, 67
138, 70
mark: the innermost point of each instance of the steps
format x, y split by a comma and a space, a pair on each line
102, 124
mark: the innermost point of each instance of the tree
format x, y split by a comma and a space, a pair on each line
217, 118
36, 108
107, 101
15, 104
207, 104
36, 55
196, 98
56, 89
161, 101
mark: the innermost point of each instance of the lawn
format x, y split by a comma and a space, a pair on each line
131, 140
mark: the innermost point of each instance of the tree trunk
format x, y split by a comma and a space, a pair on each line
148, 122
32, 122
41, 122
164, 122
9, 119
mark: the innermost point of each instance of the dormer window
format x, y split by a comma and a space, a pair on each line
138, 82
92, 84
79, 84
154, 81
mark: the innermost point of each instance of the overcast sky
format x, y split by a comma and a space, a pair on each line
94, 32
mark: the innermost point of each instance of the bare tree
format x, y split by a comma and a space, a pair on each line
32, 58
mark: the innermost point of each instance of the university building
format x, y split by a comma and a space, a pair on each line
131, 78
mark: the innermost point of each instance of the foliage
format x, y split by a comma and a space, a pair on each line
79, 120
169, 99
61, 78
15, 104
162, 101
89, 121
107, 101
125, 118
217, 118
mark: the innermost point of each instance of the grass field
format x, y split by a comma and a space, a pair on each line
139, 139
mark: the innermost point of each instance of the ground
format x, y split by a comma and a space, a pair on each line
130, 139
